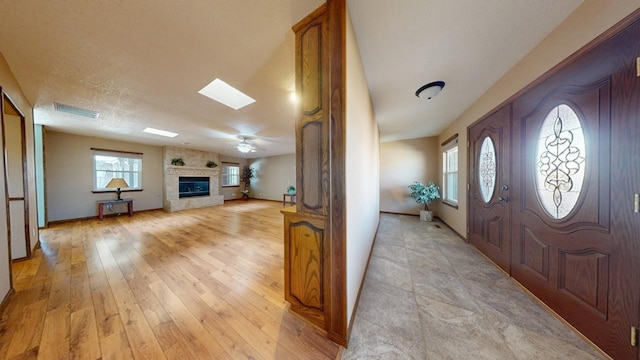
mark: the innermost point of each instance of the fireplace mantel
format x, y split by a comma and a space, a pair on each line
190, 170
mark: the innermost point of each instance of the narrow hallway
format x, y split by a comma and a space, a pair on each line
429, 295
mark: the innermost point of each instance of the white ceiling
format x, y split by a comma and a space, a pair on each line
141, 63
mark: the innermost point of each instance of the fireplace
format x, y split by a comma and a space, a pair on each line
190, 186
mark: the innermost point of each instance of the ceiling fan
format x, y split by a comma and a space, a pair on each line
245, 146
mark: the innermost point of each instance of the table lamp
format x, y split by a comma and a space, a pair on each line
117, 183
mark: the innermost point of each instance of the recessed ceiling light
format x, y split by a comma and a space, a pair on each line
160, 132
226, 94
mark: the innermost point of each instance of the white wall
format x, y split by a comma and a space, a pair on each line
69, 175
233, 192
588, 21
362, 170
403, 162
11, 87
273, 175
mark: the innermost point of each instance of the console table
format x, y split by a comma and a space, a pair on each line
101, 205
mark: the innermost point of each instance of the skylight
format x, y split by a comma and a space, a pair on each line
226, 94
160, 132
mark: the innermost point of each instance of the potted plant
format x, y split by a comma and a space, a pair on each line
291, 189
211, 164
248, 173
177, 162
425, 194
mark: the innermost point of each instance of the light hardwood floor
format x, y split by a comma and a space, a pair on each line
204, 283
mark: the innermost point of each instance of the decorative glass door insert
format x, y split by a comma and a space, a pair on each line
561, 161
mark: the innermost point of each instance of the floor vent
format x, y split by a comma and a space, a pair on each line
76, 111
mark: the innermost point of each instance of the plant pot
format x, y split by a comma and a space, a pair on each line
426, 215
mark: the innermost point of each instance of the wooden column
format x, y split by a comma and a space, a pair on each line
315, 251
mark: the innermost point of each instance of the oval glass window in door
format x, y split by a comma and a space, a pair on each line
487, 169
561, 161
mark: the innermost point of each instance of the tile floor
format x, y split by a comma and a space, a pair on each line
430, 295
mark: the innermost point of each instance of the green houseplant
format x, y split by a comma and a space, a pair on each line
211, 164
177, 162
248, 173
425, 194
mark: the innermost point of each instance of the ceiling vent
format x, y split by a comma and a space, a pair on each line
76, 111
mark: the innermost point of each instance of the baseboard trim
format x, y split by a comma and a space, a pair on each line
452, 229
94, 217
5, 301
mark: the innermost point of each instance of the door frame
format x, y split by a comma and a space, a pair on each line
6, 100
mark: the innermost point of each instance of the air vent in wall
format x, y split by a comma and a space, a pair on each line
76, 111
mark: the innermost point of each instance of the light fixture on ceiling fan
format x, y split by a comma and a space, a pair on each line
245, 147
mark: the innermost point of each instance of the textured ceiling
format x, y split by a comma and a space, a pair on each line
141, 63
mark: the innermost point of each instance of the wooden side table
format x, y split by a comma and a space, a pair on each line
101, 205
292, 198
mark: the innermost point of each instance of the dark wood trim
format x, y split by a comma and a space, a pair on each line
455, 206
397, 213
94, 217
6, 189
114, 191
16, 198
453, 137
118, 151
229, 186
5, 301
452, 229
230, 163
337, 313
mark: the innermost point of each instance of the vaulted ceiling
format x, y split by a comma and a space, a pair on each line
140, 63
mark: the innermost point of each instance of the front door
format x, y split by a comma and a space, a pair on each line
567, 190
489, 149
575, 240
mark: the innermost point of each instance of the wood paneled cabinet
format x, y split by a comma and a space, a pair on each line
306, 253
315, 263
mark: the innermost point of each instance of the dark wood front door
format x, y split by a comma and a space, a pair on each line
489, 144
574, 180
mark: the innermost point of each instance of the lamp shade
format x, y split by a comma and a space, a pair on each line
116, 183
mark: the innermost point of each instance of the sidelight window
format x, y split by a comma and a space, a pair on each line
560, 163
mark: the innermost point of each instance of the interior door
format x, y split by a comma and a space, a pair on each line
576, 165
489, 207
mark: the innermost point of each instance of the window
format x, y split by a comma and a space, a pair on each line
230, 174
109, 164
450, 171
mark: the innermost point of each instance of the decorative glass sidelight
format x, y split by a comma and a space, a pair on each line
487, 169
561, 161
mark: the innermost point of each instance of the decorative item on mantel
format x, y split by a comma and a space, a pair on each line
425, 194
291, 190
177, 162
211, 164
